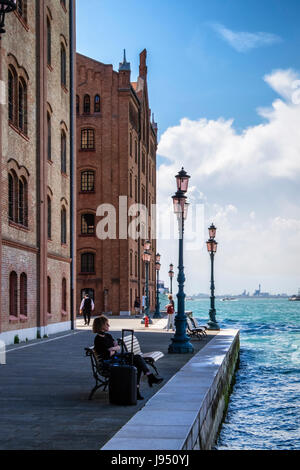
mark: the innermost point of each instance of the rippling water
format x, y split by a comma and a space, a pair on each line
264, 408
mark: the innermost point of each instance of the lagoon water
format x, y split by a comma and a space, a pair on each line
264, 407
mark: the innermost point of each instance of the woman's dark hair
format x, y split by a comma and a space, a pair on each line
99, 323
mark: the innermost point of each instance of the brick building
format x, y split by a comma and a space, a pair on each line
37, 166
116, 156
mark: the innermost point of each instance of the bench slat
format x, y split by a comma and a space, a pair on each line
155, 355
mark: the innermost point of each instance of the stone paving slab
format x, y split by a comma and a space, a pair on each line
44, 389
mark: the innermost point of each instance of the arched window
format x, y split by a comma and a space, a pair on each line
48, 41
143, 195
63, 65
130, 184
89, 291
17, 199
13, 294
11, 196
88, 263
64, 295
135, 151
136, 189
48, 294
130, 144
11, 95
87, 224
22, 108
86, 104
88, 139
87, 181
23, 198
23, 294
49, 213
97, 104
77, 104
49, 136
63, 151
130, 264
63, 216
17, 100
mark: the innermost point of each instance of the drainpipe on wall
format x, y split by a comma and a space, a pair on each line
1, 104
72, 166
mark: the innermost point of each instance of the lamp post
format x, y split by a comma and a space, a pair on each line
171, 275
180, 341
157, 267
211, 243
147, 258
6, 6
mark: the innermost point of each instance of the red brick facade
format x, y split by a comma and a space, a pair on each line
36, 47
116, 144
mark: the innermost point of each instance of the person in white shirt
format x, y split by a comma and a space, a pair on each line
86, 307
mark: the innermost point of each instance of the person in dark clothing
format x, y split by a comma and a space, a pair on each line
137, 305
108, 348
86, 307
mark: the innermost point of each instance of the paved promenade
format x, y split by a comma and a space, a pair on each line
45, 386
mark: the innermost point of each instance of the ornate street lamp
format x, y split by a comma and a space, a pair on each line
180, 341
211, 243
157, 306
147, 258
171, 275
6, 6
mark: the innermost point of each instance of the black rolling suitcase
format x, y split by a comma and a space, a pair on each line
123, 380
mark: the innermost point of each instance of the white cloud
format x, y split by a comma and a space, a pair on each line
248, 183
214, 147
244, 41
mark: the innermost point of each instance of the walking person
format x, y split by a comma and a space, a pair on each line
170, 311
137, 305
143, 303
86, 307
108, 348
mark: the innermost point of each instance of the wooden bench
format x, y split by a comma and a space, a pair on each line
149, 357
100, 370
193, 332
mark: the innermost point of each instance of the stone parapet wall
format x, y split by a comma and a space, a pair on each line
187, 412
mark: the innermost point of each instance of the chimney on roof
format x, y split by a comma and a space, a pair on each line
143, 66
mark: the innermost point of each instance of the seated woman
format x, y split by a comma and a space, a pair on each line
108, 348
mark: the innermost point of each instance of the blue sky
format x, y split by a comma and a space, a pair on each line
193, 72
222, 78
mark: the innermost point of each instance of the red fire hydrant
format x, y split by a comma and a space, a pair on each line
146, 321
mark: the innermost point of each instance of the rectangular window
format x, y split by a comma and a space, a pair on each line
87, 224
87, 263
87, 181
87, 139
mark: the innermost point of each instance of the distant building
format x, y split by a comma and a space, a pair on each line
161, 287
116, 156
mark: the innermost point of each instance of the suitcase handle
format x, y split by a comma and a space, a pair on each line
132, 333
